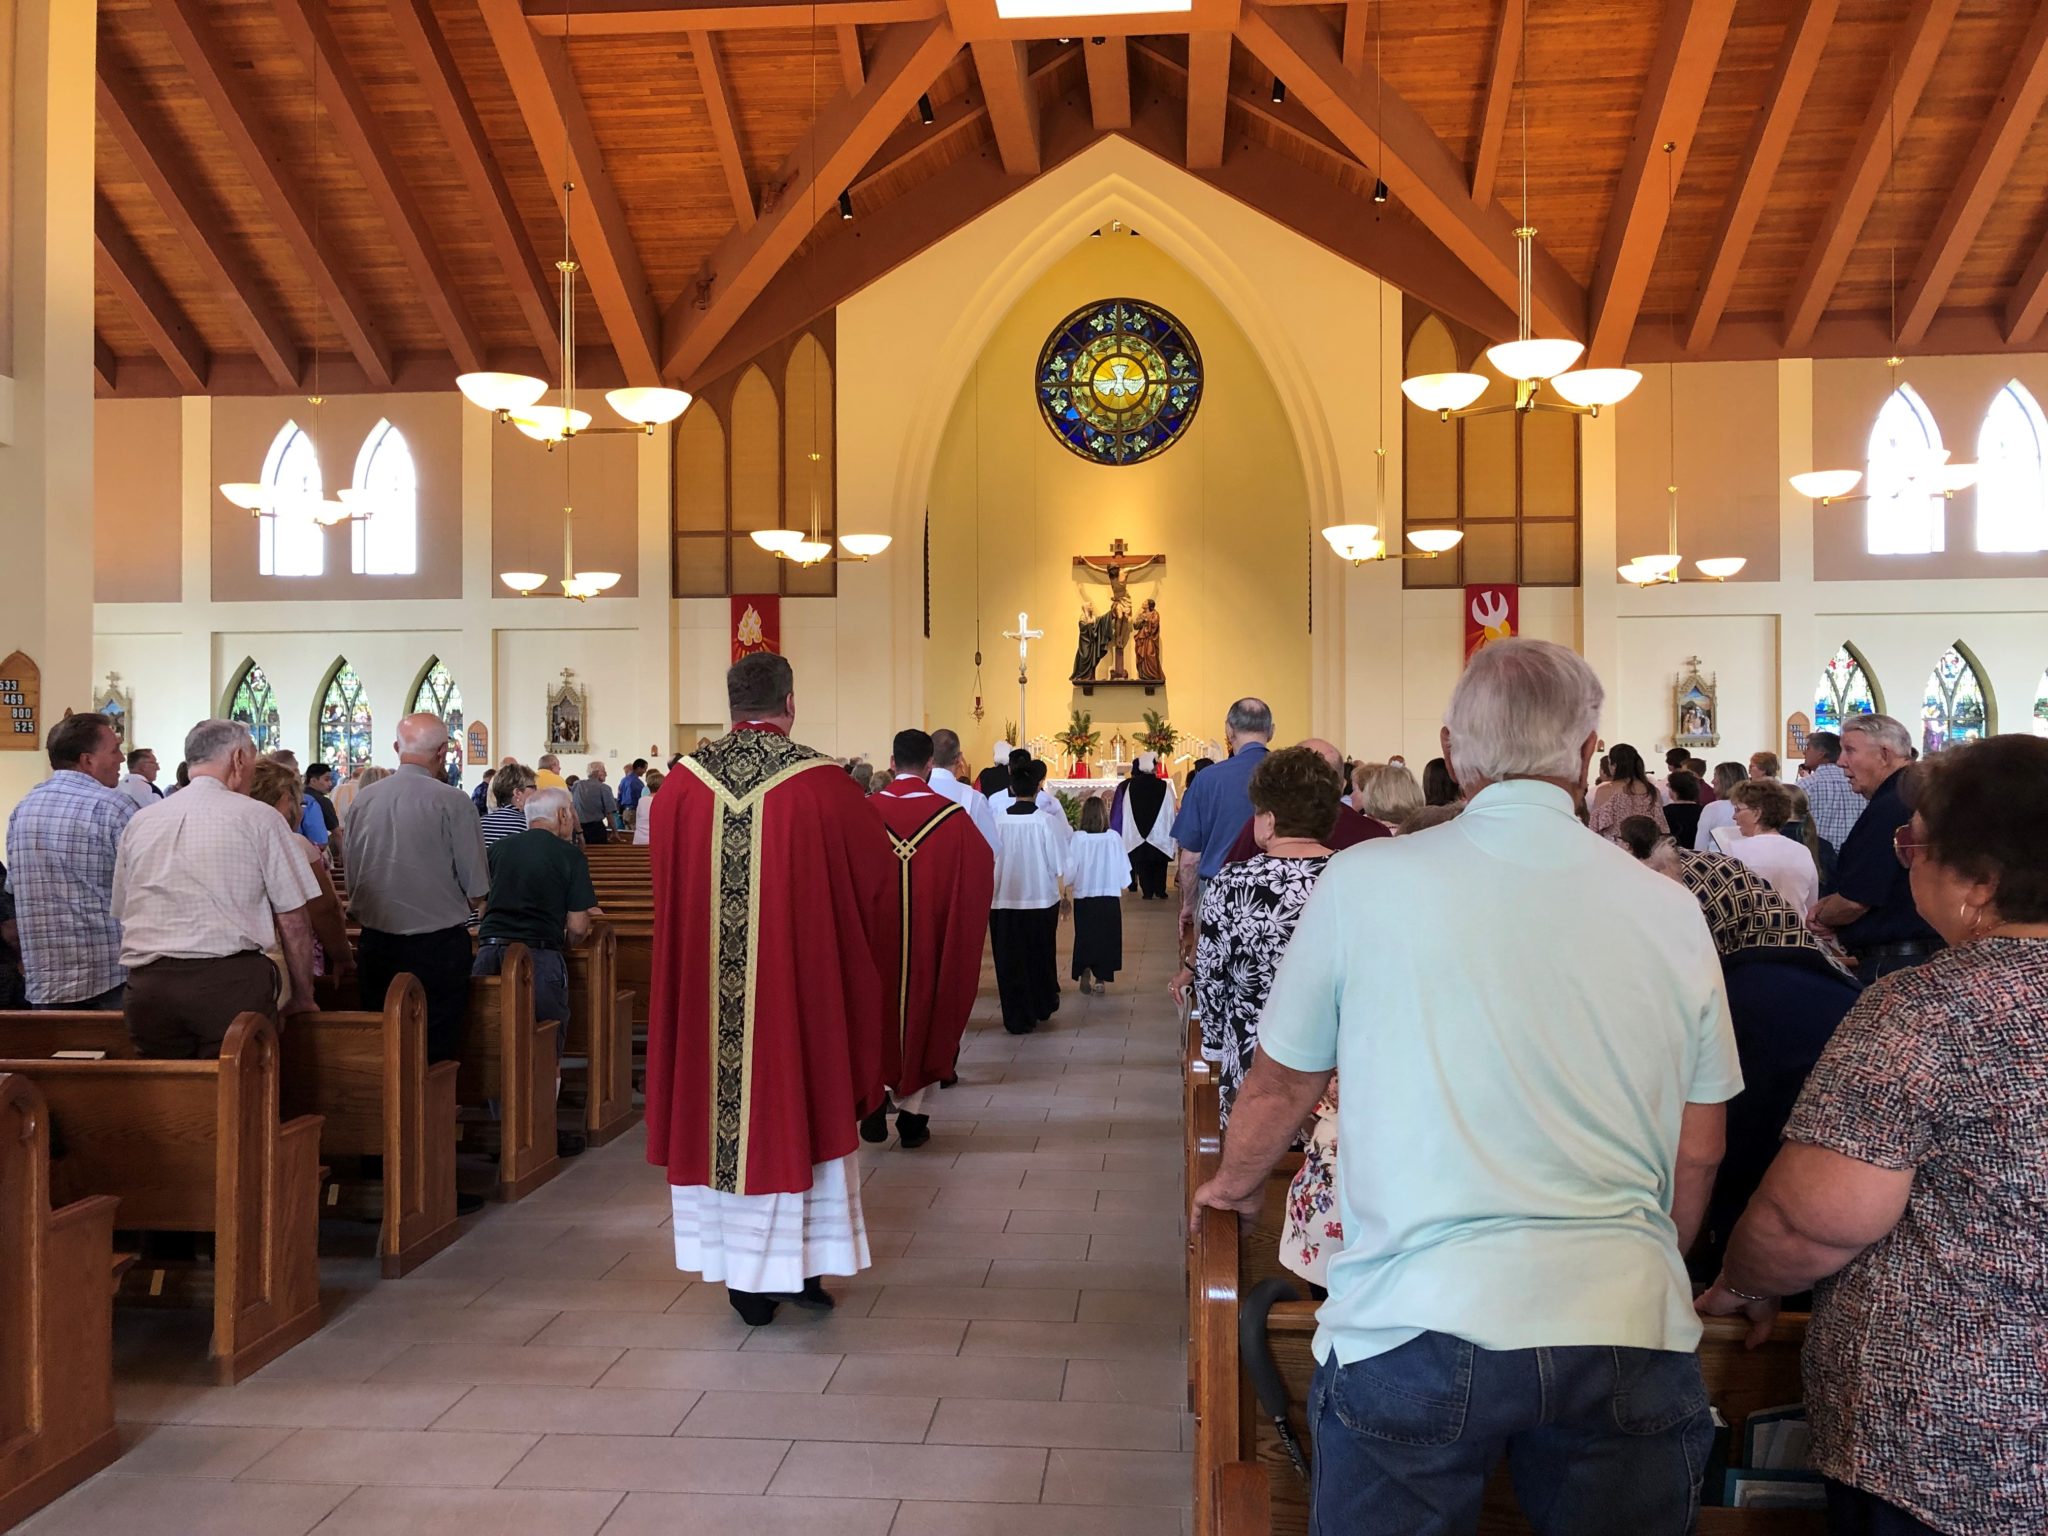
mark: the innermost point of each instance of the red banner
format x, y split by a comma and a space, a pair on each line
1491, 613
756, 624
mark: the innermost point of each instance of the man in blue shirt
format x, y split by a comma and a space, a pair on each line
1218, 804
1871, 909
631, 789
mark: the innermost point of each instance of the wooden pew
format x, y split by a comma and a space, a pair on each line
600, 1026
57, 1274
367, 1075
196, 1146
508, 1057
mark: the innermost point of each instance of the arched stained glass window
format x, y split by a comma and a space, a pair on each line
438, 695
288, 541
2041, 707
2012, 486
1844, 691
252, 702
344, 732
1905, 518
386, 543
1958, 707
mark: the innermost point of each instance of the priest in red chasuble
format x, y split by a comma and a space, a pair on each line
775, 961
946, 876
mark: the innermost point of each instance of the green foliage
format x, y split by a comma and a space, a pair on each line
1080, 738
1071, 804
1159, 735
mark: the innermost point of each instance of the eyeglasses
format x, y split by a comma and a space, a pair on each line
1904, 845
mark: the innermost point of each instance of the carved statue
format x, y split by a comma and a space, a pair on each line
1118, 567
1145, 634
1092, 645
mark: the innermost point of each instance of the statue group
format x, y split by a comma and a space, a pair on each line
1127, 633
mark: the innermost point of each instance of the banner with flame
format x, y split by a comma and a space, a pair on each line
756, 624
1491, 613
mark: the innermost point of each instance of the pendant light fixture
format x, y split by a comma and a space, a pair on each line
1360, 543
1530, 361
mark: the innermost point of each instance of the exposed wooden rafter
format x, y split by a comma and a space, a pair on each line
1415, 164
1004, 70
1500, 95
470, 149
1912, 61
212, 75
124, 269
1208, 98
1356, 16
852, 68
1169, 55
1979, 183
849, 129
724, 130
1681, 70
953, 116
106, 368
1805, 40
2028, 306
1109, 82
625, 18
149, 149
559, 125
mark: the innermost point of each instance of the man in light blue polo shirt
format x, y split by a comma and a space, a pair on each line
1534, 1050
1218, 803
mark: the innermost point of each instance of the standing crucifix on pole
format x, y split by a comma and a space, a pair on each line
1023, 634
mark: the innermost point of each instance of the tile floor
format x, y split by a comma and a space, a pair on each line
1012, 1365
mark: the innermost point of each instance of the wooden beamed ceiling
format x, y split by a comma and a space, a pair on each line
379, 183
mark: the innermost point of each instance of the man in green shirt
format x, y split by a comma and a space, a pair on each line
541, 897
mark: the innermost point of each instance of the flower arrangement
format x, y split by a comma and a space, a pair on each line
1080, 738
1158, 736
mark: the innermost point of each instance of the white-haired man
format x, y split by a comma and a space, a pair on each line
204, 885
1532, 1114
416, 869
1872, 910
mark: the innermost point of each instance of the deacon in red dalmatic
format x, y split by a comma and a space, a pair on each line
775, 965
945, 881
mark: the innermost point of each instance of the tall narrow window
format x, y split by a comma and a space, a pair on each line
1957, 708
1905, 518
438, 695
344, 734
1844, 691
252, 702
2012, 488
386, 543
289, 542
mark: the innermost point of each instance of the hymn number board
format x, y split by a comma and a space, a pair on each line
21, 699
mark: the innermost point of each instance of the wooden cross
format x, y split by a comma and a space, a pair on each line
1118, 567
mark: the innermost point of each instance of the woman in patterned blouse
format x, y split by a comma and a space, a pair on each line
1913, 1186
1249, 910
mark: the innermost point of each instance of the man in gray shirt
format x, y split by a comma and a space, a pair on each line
597, 808
416, 869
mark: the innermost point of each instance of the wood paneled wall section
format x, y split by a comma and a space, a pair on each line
742, 462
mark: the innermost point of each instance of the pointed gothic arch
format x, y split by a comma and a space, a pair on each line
387, 542
1904, 517
434, 692
1847, 687
2012, 491
1959, 706
288, 541
342, 730
250, 699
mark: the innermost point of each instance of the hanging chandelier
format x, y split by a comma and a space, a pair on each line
1530, 361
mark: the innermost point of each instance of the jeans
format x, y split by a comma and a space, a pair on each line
550, 981
1601, 1441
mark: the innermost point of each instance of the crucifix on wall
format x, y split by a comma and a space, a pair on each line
1113, 634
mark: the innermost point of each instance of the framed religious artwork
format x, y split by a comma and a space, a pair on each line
1118, 381
479, 744
118, 705
21, 704
1696, 708
568, 715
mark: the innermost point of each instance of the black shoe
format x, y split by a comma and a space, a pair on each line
913, 1130
1020, 1029
949, 1082
468, 1205
813, 1297
570, 1143
875, 1127
755, 1311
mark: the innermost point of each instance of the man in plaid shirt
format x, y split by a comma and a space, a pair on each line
1836, 805
61, 842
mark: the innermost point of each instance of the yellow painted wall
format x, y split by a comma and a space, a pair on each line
1226, 505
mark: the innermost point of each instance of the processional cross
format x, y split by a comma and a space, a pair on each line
1118, 567
1023, 634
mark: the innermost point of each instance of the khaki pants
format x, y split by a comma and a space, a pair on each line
180, 1010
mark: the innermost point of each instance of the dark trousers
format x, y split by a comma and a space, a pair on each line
179, 1010
1027, 967
1852, 1512
596, 832
1600, 1441
441, 962
550, 981
1098, 936
1148, 868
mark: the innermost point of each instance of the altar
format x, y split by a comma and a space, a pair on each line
1082, 788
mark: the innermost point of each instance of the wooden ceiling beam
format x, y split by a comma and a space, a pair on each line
1500, 95
1420, 171
191, 213
106, 368
1674, 94
2028, 306
426, 47
955, 115
213, 75
845, 134
1921, 35
1109, 82
1978, 185
1004, 72
852, 68
1356, 16
724, 127
1798, 62
121, 266
631, 18
1957, 331
559, 125
348, 109
1208, 97
1169, 55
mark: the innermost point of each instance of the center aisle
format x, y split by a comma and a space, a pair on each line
1013, 1364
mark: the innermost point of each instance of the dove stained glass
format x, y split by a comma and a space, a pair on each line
1119, 380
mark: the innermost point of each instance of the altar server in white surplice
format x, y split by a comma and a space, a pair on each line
1096, 871
1024, 925
1047, 802
1148, 827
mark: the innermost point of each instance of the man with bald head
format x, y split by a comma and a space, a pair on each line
1351, 827
416, 870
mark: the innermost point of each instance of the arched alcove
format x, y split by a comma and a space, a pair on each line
1847, 687
341, 730
250, 699
1959, 705
434, 692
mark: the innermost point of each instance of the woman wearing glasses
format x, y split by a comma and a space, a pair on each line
1912, 1189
